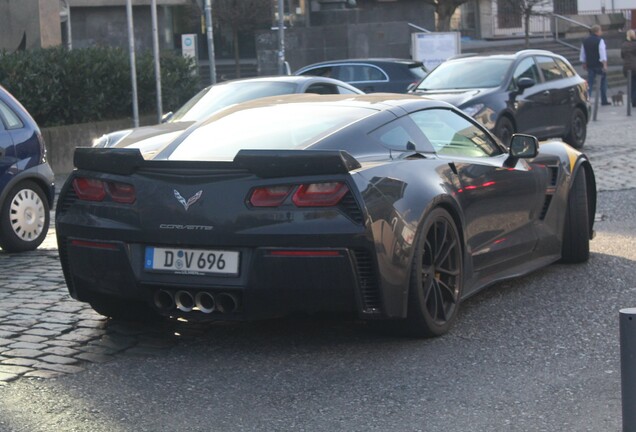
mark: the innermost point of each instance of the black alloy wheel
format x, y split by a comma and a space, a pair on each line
504, 130
436, 277
578, 129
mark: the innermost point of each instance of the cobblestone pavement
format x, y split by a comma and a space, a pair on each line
45, 333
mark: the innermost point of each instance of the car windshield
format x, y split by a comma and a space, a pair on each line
467, 74
289, 126
214, 98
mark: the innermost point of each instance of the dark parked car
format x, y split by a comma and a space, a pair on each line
533, 91
371, 75
26, 179
151, 139
385, 206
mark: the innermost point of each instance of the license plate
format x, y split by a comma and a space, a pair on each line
192, 260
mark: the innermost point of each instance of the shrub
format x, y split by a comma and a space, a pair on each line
61, 87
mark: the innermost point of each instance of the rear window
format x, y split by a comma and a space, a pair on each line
566, 68
9, 118
278, 127
549, 68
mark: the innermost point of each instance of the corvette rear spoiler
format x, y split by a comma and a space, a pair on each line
263, 163
283, 163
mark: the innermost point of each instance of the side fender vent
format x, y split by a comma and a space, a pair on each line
546, 206
368, 282
350, 207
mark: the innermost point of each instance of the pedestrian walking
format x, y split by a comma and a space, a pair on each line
628, 54
594, 58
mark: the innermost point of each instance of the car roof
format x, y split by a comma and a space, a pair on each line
505, 55
375, 60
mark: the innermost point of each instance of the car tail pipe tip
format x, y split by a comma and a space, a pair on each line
184, 301
205, 302
227, 303
164, 300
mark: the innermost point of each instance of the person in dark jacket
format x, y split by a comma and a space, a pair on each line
628, 54
594, 59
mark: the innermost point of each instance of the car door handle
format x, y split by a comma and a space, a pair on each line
546, 93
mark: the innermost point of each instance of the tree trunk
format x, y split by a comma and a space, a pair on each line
445, 11
526, 19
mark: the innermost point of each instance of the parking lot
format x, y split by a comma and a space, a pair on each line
45, 334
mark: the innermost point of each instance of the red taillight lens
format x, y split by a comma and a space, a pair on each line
121, 192
320, 194
269, 196
89, 189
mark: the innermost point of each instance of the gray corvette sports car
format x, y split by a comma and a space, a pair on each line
388, 207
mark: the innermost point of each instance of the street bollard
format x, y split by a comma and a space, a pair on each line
629, 92
628, 367
597, 97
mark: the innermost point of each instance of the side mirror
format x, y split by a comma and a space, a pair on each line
525, 82
523, 146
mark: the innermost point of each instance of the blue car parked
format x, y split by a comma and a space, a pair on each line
27, 186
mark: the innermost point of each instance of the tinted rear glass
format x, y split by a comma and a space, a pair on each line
279, 127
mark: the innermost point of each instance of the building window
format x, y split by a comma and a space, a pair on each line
508, 14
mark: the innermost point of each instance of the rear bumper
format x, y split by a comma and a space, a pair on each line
271, 281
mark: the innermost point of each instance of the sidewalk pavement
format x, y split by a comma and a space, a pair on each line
610, 146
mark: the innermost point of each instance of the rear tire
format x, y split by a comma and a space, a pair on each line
576, 229
24, 218
436, 277
578, 129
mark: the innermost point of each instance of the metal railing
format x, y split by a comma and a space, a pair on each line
416, 27
558, 18
539, 25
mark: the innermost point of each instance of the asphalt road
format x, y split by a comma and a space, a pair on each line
540, 353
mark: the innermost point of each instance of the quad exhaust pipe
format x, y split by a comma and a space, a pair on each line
205, 302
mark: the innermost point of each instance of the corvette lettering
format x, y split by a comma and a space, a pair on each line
186, 227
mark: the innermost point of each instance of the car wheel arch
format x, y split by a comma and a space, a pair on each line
452, 208
505, 116
416, 321
28, 176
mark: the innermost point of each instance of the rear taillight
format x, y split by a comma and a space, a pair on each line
306, 195
320, 194
269, 196
89, 189
121, 192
